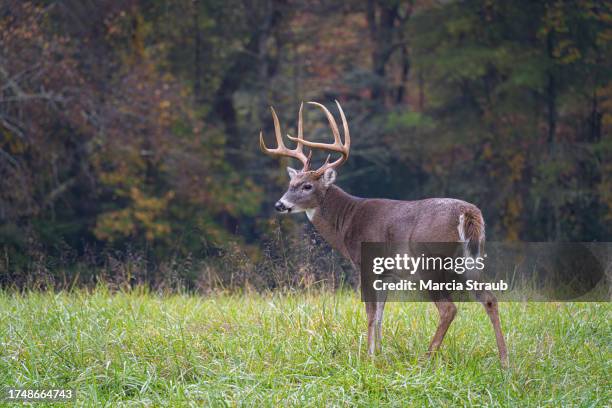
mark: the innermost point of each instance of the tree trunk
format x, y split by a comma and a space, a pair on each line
197, 53
551, 97
382, 29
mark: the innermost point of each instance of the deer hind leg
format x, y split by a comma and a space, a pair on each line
447, 311
489, 302
374, 312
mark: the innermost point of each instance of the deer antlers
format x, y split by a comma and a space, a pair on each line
297, 153
281, 149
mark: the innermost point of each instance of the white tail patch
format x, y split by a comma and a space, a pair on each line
461, 228
462, 238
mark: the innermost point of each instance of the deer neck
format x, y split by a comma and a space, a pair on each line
332, 217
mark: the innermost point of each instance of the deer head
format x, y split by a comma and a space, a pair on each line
307, 187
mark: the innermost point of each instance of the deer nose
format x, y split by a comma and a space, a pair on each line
280, 207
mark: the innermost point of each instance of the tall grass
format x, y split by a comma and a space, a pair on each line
308, 348
288, 258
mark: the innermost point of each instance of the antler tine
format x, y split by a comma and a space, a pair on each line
337, 146
281, 149
300, 136
300, 127
347, 135
277, 130
332, 122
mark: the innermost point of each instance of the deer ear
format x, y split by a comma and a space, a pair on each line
291, 172
329, 177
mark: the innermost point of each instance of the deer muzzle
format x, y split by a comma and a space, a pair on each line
281, 208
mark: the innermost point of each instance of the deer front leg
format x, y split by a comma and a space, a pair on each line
371, 315
374, 312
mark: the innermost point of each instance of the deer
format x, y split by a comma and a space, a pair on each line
346, 221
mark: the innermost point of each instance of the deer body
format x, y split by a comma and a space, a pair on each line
346, 221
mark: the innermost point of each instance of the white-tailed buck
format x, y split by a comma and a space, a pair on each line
346, 221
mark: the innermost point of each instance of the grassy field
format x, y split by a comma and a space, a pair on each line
300, 349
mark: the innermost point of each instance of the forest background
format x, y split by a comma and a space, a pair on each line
129, 130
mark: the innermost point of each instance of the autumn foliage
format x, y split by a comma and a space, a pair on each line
131, 127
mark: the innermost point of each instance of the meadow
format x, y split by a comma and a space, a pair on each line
140, 348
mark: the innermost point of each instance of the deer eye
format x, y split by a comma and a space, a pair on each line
307, 187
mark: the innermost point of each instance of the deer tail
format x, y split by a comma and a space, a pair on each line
472, 231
